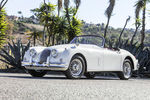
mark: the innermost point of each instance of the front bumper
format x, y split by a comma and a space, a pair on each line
45, 66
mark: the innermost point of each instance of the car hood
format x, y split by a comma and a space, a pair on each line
72, 46
62, 46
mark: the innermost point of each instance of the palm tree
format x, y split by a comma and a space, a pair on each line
21, 15
141, 6
19, 12
35, 35
108, 14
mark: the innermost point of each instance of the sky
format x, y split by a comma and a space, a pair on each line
91, 11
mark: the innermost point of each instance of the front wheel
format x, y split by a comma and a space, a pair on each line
127, 70
76, 68
35, 73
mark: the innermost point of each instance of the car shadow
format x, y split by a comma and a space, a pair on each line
60, 77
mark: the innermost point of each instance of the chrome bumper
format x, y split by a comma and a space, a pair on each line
37, 66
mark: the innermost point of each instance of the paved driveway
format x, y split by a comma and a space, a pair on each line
54, 87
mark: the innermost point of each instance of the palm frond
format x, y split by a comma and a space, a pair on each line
139, 5
110, 8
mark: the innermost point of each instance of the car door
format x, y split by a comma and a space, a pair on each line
112, 60
96, 58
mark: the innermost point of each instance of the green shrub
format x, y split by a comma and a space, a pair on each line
3, 26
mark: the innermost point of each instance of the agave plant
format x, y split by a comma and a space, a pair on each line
17, 52
142, 54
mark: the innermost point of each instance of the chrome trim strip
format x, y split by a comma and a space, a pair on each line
46, 68
36, 66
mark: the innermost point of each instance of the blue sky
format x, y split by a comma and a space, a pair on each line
92, 11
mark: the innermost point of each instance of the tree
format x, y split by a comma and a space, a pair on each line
108, 14
44, 13
21, 15
19, 12
141, 6
35, 35
55, 26
74, 24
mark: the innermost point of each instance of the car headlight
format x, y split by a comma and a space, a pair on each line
54, 53
32, 53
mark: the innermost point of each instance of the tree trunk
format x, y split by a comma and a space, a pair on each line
71, 37
49, 40
53, 39
137, 27
123, 30
49, 35
44, 36
143, 26
106, 28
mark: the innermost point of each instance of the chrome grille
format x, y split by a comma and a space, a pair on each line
43, 57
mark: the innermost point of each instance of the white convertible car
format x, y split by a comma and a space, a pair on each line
85, 55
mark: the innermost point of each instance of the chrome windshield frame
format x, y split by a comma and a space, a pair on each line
89, 36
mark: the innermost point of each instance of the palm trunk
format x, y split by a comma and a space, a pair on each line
143, 26
106, 28
44, 36
123, 30
137, 27
53, 39
49, 40
49, 35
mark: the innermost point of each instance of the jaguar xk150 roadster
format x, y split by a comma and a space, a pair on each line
85, 55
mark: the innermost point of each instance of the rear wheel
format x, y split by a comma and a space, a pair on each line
90, 75
35, 73
127, 70
76, 68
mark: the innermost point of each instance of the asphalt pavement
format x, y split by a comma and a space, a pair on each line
57, 87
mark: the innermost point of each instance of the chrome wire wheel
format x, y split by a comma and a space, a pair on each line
127, 70
76, 67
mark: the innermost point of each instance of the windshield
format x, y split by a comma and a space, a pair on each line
94, 40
